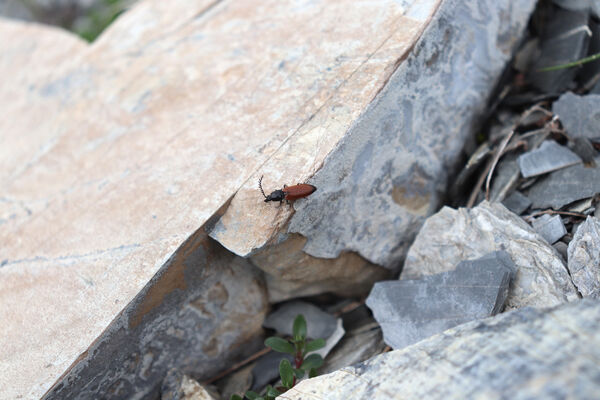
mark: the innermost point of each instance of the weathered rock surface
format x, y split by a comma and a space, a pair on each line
178, 386
517, 202
388, 169
115, 155
549, 157
549, 227
523, 354
411, 310
451, 236
580, 115
584, 258
566, 186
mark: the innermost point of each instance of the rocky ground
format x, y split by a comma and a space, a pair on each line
498, 296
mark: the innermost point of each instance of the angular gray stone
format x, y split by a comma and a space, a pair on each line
450, 236
584, 258
550, 227
549, 157
517, 202
388, 172
580, 115
266, 369
520, 355
411, 310
565, 186
320, 325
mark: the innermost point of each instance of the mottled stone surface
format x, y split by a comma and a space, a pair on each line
450, 236
113, 154
411, 310
584, 258
387, 173
523, 354
178, 386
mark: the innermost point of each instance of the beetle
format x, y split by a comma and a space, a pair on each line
288, 193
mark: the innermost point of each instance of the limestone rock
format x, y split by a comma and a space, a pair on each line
584, 258
523, 354
319, 323
549, 227
541, 280
178, 386
411, 310
580, 115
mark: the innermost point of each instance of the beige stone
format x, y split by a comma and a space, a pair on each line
114, 154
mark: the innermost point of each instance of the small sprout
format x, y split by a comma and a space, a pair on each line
298, 347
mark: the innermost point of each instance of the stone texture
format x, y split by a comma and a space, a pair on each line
450, 236
584, 258
517, 202
115, 156
566, 186
549, 157
523, 354
388, 170
580, 115
549, 227
178, 386
411, 310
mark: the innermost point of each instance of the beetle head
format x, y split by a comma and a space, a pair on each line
277, 195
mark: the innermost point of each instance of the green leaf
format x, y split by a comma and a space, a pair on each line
314, 345
271, 391
280, 345
299, 373
299, 327
236, 397
312, 361
253, 395
312, 373
287, 373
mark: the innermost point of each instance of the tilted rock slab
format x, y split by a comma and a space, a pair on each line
523, 354
390, 161
115, 156
450, 236
411, 310
584, 258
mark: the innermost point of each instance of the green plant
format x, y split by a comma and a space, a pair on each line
298, 347
577, 63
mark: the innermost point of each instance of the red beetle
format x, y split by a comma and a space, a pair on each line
288, 193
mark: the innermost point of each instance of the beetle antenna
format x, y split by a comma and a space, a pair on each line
260, 186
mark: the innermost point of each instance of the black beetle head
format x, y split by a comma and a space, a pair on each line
277, 195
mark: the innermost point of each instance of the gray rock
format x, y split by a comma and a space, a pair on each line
584, 148
565, 186
580, 115
517, 202
451, 236
358, 345
549, 157
390, 169
520, 355
320, 325
565, 39
266, 369
550, 227
562, 249
411, 310
584, 258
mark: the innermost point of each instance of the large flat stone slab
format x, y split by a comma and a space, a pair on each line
114, 154
523, 354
